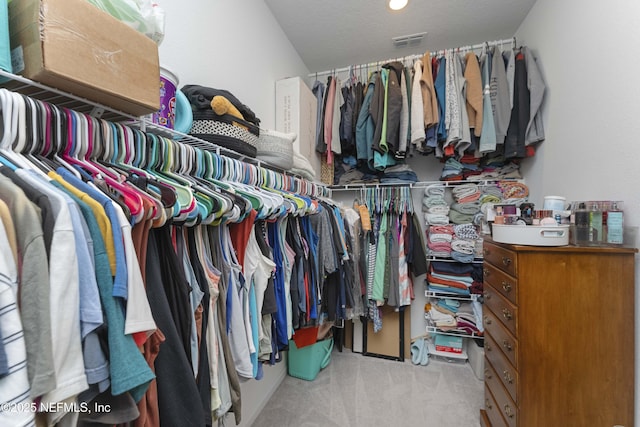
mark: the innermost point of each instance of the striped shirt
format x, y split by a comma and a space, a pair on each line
14, 387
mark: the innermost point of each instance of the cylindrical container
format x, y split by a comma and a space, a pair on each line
595, 222
583, 231
615, 222
166, 115
554, 203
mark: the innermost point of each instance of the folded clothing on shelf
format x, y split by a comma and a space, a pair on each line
276, 148
220, 118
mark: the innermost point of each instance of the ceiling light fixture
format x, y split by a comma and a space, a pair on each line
397, 4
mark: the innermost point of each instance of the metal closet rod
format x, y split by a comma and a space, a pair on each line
376, 64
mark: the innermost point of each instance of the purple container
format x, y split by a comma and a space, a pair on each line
166, 115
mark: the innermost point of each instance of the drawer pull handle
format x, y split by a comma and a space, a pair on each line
487, 404
485, 251
508, 411
507, 377
487, 347
506, 314
487, 295
486, 273
506, 261
506, 345
487, 374
506, 286
487, 321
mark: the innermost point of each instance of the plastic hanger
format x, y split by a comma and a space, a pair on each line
77, 141
185, 199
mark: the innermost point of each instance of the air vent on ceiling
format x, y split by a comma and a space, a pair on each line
408, 40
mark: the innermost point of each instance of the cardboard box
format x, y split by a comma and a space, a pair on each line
448, 343
296, 109
73, 46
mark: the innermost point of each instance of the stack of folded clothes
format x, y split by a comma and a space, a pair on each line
463, 244
434, 206
450, 278
439, 239
467, 204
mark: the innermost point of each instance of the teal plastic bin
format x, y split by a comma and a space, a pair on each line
306, 362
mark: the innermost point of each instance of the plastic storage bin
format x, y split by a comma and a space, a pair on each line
306, 362
534, 235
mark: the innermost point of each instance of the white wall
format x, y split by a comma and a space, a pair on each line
588, 50
235, 45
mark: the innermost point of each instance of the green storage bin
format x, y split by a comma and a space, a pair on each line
306, 362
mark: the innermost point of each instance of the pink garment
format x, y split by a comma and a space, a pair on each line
404, 280
441, 229
470, 198
328, 119
440, 246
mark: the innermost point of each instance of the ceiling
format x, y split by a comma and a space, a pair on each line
332, 34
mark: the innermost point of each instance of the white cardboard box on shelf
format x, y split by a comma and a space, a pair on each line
296, 109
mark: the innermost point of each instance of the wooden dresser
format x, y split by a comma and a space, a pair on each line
559, 336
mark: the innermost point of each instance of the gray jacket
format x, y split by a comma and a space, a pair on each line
535, 129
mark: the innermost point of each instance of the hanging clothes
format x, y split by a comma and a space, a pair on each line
515, 142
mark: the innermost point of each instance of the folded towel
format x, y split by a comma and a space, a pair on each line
435, 287
434, 190
440, 237
430, 201
441, 210
440, 254
464, 190
463, 246
441, 308
433, 219
466, 231
448, 229
441, 319
460, 218
466, 208
460, 257
441, 246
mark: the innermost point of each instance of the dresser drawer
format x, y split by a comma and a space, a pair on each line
502, 258
492, 410
503, 404
501, 281
502, 337
502, 308
507, 375
491, 378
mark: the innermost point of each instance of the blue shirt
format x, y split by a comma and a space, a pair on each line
120, 278
129, 371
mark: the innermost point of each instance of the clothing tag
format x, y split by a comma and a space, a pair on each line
364, 217
17, 59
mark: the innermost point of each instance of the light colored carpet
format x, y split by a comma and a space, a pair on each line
360, 391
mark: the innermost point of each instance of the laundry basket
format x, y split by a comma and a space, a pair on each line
306, 362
